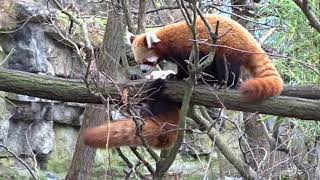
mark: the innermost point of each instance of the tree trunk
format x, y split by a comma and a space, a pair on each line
258, 146
113, 46
127, 15
109, 64
142, 16
83, 157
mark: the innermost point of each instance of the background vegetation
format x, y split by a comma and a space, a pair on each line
218, 142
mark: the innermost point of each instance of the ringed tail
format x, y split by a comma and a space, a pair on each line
114, 134
265, 81
124, 133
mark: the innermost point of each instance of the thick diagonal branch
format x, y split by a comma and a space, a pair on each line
76, 91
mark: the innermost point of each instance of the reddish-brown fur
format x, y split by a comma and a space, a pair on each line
160, 132
235, 43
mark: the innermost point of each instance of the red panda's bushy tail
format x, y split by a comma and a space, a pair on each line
159, 131
114, 134
265, 81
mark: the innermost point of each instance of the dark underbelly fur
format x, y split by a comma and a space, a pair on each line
218, 72
222, 73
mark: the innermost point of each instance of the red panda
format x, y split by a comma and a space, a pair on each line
172, 43
161, 120
235, 44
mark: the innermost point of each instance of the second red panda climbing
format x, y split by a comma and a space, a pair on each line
161, 120
160, 131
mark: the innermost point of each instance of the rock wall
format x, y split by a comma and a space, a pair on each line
28, 124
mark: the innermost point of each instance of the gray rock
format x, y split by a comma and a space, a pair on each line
30, 53
27, 139
66, 114
30, 130
64, 61
36, 53
34, 12
31, 111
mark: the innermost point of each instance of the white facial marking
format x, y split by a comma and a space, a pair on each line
128, 37
152, 39
152, 59
145, 68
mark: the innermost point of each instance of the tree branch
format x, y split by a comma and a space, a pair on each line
304, 91
20, 160
76, 91
306, 9
245, 170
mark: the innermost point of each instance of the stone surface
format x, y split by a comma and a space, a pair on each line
35, 52
30, 139
27, 125
29, 50
33, 12
30, 111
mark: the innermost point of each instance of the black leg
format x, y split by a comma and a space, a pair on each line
182, 72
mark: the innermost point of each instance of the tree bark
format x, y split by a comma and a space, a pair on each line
142, 16
83, 157
127, 15
113, 46
304, 91
76, 91
109, 64
257, 146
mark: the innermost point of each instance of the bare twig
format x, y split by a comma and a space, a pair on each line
8, 56
20, 160
238, 163
167, 156
140, 125
143, 160
31, 151
124, 158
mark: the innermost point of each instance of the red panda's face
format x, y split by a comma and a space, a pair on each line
143, 51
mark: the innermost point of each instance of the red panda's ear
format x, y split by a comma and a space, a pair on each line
130, 37
151, 39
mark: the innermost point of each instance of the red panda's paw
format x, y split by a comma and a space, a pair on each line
175, 77
133, 77
171, 77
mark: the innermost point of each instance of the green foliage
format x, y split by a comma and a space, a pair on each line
310, 129
12, 174
59, 162
61, 157
295, 38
